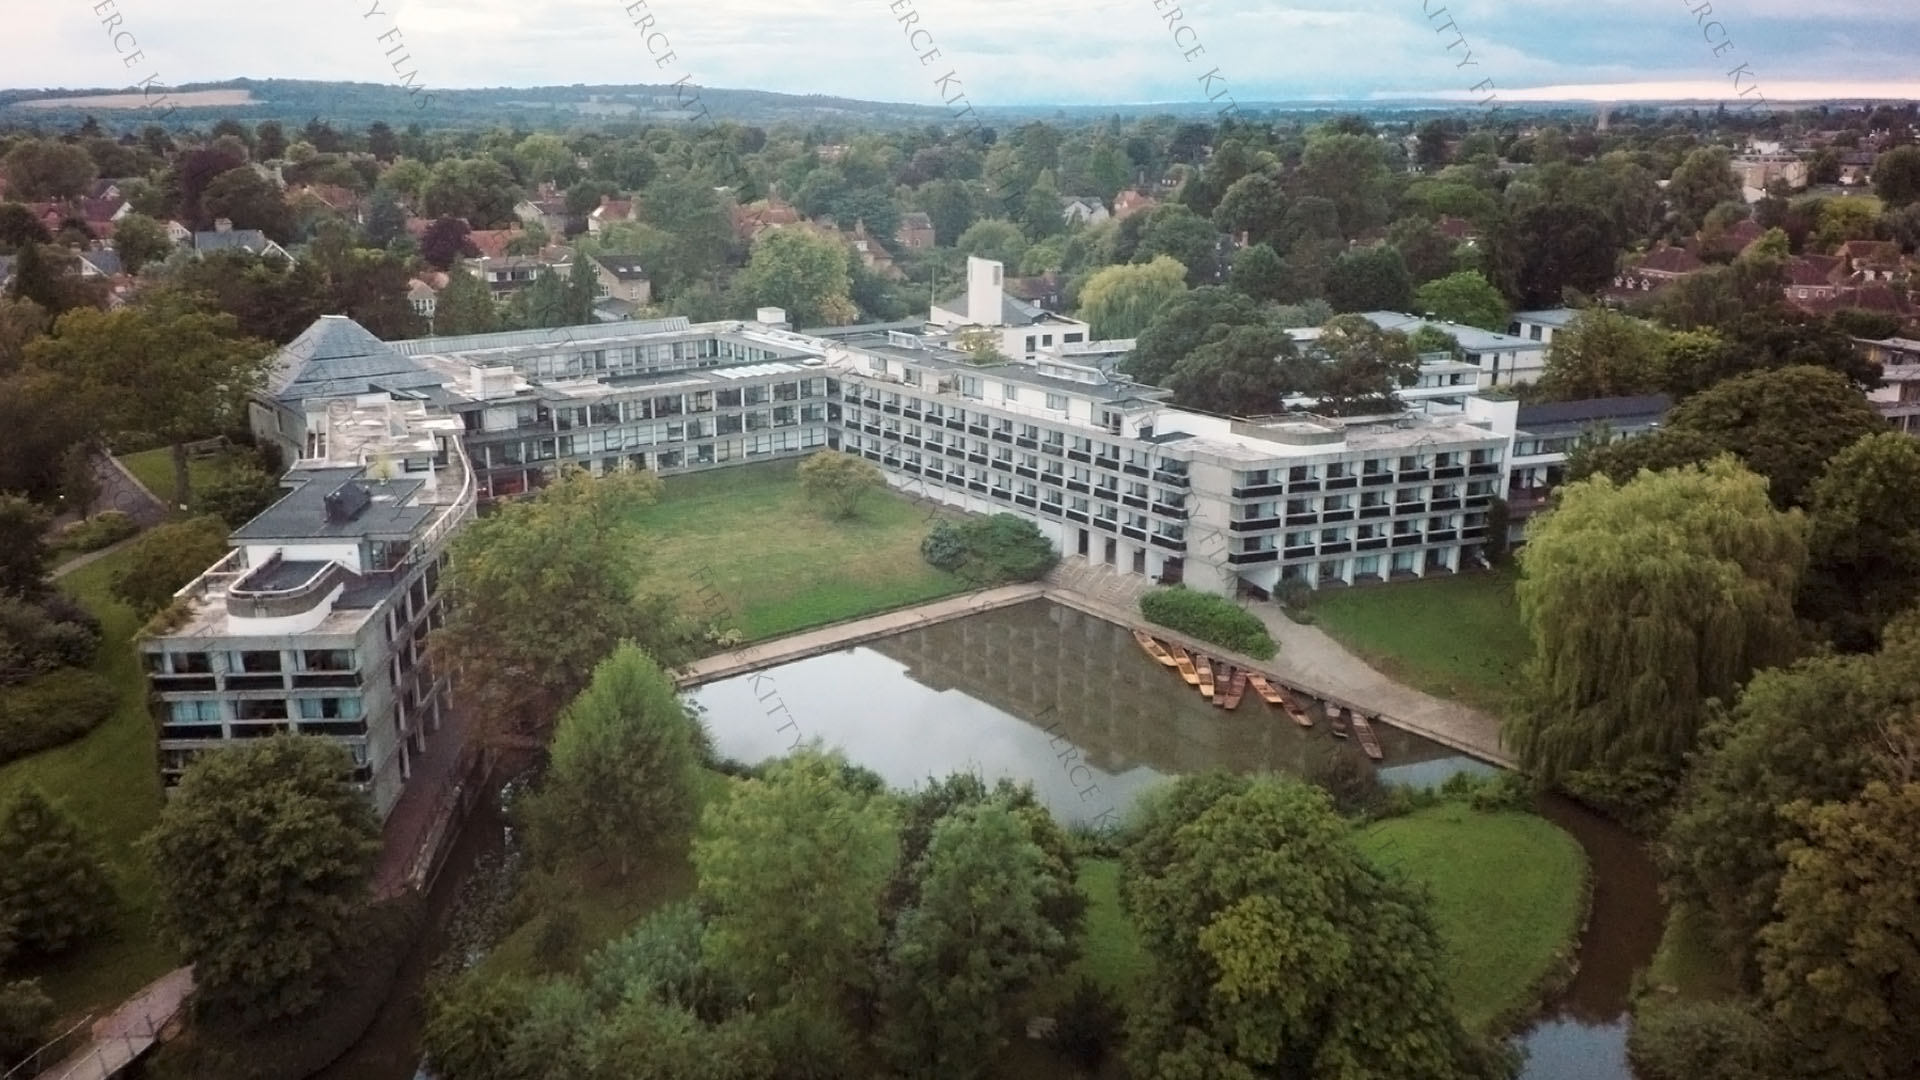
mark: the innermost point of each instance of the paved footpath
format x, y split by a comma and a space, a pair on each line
126, 1034
843, 635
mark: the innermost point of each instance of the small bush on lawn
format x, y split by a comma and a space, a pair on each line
1210, 618
990, 550
104, 529
55, 708
42, 635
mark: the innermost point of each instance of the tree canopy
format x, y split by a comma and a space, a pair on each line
1784, 424
1643, 601
804, 271
275, 830
1864, 564
1603, 353
54, 891
1185, 323
1467, 298
1120, 301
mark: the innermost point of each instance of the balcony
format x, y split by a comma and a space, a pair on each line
1332, 516
1243, 558
1444, 504
1027, 501
1003, 466
182, 684
1488, 469
1169, 543
1168, 510
1528, 500
1056, 449
1414, 476
911, 413
1107, 493
1110, 463
1132, 469
1022, 470
910, 440
1003, 494
1253, 524
1079, 455
1299, 552
1258, 491
1075, 485
1053, 508
1109, 524
1003, 436
1134, 501
1377, 543
279, 588
1451, 472
1406, 540
1409, 508
977, 485
1442, 537
1025, 443
1303, 519
1340, 547
1376, 479
894, 409
1076, 515
239, 681
1303, 485
956, 452
1171, 479
956, 423
1343, 483
1132, 533
1375, 511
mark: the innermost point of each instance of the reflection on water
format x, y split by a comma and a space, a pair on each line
1068, 702
1038, 693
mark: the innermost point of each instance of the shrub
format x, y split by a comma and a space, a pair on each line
104, 529
990, 550
55, 708
1703, 1040
1354, 786
25, 1013
1210, 618
1088, 1027
166, 559
945, 546
42, 635
237, 496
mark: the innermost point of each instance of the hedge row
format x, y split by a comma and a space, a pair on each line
1210, 618
990, 550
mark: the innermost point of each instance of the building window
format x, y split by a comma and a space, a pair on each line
194, 712
1030, 342
1057, 402
264, 663
1009, 392
333, 708
260, 709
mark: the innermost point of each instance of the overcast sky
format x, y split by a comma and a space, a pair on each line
1004, 52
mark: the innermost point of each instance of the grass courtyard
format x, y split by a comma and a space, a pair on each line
1456, 637
1507, 893
779, 564
108, 781
154, 468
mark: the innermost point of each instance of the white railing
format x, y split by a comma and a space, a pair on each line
460, 509
219, 576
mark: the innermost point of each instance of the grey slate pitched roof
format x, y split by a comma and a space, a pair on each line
251, 239
623, 267
337, 357
1013, 310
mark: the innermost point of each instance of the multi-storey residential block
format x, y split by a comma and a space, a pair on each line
1898, 398
316, 621
1547, 434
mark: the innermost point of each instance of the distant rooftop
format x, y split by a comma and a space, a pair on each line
1556, 416
307, 512
1471, 338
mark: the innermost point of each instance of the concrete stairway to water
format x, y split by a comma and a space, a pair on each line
1100, 582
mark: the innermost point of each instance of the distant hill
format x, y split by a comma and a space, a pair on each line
351, 104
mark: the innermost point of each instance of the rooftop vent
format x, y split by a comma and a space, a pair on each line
346, 503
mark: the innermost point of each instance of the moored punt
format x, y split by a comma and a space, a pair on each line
1185, 665
1205, 667
1153, 648
1300, 715
1237, 690
1337, 720
1363, 730
1222, 682
1264, 688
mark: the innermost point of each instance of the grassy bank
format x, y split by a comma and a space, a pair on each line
108, 781
1508, 891
779, 564
1455, 637
1687, 962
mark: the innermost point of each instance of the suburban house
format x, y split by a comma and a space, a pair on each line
1654, 271
550, 213
1458, 229
915, 232
1541, 325
1856, 167
1757, 170
870, 252
423, 294
1130, 202
608, 212
509, 274
1083, 209
225, 237
754, 218
1017, 329
1546, 435
623, 278
1041, 290
1898, 396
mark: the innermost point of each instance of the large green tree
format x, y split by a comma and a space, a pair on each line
176, 373
1784, 424
247, 200
165, 558
1370, 279
1245, 372
1278, 949
623, 773
780, 923
803, 271
1359, 366
698, 232
1120, 301
1810, 732
465, 306
1896, 177
1643, 601
1864, 564
976, 936
517, 656
1703, 181
1182, 325
1603, 353
1182, 235
54, 891
47, 169
1841, 966
275, 831
140, 241
1467, 298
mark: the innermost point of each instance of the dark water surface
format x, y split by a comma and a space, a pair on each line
1068, 702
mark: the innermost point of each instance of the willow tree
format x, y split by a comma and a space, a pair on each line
1120, 301
1644, 601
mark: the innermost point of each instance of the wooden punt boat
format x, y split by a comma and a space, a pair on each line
1363, 730
1222, 682
1205, 668
1264, 688
1185, 665
1237, 690
1292, 705
1153, 648
1337, 721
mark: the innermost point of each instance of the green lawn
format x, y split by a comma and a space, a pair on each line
154, 468
1507, 892
1456, 637
1687, 962
108, 781
1110, 952
778, 564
